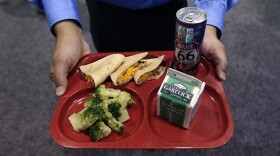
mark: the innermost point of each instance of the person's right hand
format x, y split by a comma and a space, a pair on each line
213, 49
69, 48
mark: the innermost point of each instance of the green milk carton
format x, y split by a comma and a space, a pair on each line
179, 97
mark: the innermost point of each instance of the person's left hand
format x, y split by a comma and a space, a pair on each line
213, 49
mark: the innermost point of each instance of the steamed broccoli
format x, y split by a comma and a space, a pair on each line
103, 93
86, 117
92, 102
105, 110
124, 116
111, 121
117, 109
114, 107
118, 105
115, 125
98, 131
125, 99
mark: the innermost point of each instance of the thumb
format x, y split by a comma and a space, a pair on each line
221, 68
60, 78
86, 48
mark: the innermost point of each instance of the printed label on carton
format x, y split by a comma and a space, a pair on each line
177, 90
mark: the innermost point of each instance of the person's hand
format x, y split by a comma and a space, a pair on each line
69, 48
213, 49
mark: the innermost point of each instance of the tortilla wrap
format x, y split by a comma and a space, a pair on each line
101, 69
153, 70
128, 62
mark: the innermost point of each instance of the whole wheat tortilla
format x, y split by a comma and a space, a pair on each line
128, 62
101, 69
152, 64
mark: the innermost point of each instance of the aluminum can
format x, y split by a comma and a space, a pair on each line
190, 28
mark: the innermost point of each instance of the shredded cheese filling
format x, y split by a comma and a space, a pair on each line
127, 75
89, 79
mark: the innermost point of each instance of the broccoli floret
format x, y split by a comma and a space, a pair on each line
125, 99
98, 131
114, 107
110, 120
103, 93
117, 106
126, 102
92, 102
86, 117
124, 116
115, 125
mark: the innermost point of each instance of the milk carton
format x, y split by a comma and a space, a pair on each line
178, 98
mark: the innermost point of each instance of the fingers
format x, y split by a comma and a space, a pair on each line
86, 48
220, 61
58, 74
214, 50
51, 73
221, 68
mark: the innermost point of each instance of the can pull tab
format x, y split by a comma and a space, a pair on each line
190, 16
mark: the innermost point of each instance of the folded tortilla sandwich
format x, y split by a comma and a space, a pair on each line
152, 70
126, 71
97, 72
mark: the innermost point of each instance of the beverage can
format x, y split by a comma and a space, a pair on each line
190, 28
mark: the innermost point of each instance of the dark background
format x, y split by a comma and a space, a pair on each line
28, 100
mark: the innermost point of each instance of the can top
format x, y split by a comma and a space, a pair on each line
191, 15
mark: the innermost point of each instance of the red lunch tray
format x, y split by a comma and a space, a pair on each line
211, 127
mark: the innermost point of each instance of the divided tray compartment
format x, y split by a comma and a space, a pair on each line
211, 127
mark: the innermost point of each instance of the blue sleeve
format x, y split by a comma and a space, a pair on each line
216, 10
58, 10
